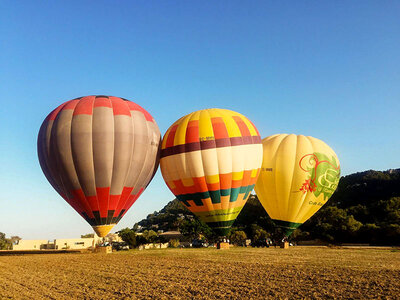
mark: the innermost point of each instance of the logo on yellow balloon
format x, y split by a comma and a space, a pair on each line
324, 174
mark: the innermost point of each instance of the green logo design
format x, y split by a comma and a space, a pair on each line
324, 174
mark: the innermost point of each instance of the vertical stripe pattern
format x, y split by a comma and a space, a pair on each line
210, 159
99, 153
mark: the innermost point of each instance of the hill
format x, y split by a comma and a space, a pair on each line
364, 209
168, 218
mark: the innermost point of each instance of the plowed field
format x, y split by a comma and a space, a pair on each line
238, 273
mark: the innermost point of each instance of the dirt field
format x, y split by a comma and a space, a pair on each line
238, 273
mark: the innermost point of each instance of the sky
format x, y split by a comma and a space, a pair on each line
329, 69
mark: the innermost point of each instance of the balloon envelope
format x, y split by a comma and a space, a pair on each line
298, 176
210, 159
99, 153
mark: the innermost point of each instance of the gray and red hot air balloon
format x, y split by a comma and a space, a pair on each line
99, 153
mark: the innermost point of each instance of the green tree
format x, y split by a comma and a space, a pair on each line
390, 234
258, 233
254, 213
89, 235
174, 243
360, 212
352, 225
370, 233
150, 235
261, 234
5, 244
140, 240
196, 229
128, 236
15, 239
365, 208
389, 210
334, 225
238, 238
300, 235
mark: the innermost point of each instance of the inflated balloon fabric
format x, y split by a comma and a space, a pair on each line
99, 153
210, 159
298, 175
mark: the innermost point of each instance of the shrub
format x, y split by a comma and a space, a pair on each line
174, 243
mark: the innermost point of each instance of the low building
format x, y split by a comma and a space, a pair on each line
169, 235
82, 243
30, 244
57, 244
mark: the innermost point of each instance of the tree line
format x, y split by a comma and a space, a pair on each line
364, 209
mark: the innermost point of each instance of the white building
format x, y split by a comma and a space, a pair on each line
57, 244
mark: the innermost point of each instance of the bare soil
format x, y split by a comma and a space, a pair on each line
237, 273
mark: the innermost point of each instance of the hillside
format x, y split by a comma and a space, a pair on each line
168, 218
365, 208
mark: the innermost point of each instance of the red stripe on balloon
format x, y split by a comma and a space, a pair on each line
244, 130
225, 181
85, 106
120, 106
80, 196
71, 104
171, 137
179, 187
103, 194
200, 183
126, 191
190, 189
132, 199
102, 102
192, 132
134, 106
113, 202
185, 189
219, 128
92, 200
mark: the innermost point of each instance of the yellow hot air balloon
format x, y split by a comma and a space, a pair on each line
298, 175
210, 159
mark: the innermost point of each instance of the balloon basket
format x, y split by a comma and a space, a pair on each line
103, 249
222, 245
285, 245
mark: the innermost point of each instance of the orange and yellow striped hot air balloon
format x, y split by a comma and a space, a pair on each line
99, 153
211, 159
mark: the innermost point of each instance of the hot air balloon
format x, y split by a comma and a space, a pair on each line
298, 175
210, 159
99, 153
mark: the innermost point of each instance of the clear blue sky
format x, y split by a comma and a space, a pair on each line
326, 69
